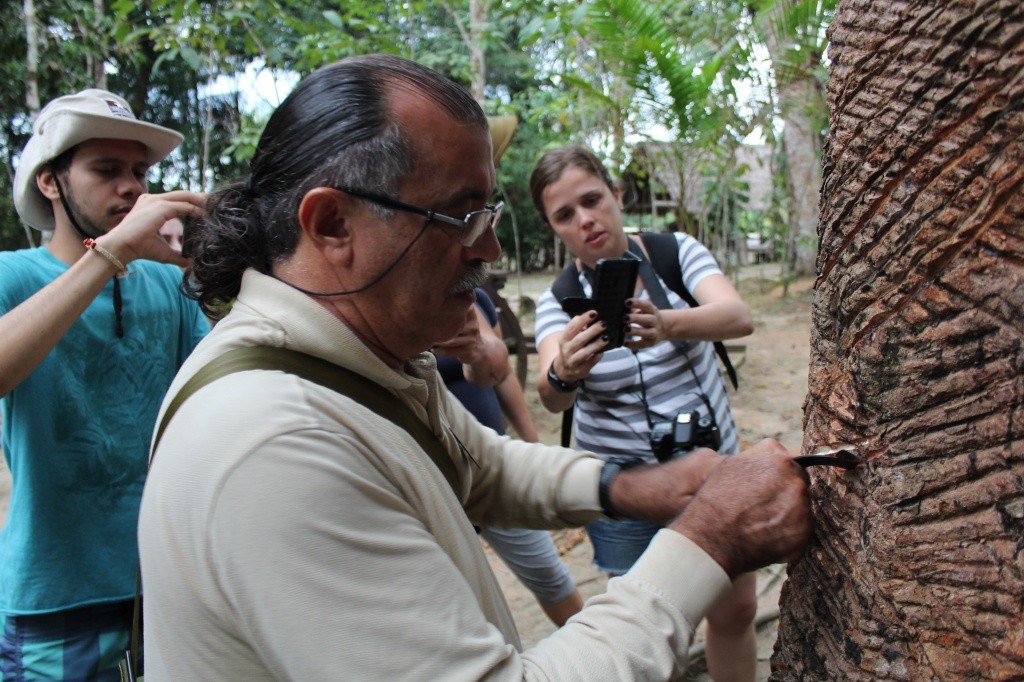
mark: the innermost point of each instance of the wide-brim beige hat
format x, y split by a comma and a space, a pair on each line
502, 130
73, 119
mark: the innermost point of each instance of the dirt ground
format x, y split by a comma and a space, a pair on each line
772, 370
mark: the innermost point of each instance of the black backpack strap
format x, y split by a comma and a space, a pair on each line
663, 249
567, 426
565, 285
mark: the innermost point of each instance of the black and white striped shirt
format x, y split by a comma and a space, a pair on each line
611, 417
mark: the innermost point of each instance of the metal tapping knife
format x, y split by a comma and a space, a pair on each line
841, 456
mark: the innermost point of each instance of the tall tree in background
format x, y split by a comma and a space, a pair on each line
39, 51
794, 33
97, 62
477, 62
31, 59
32, 102
916, 571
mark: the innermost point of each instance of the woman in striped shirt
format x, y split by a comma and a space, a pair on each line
666, 367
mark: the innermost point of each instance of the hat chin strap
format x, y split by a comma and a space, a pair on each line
67, 206
118, 304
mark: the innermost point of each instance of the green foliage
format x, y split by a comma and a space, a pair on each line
13, 128
597, 72
162, 80
799, 27
633, 35
66, 41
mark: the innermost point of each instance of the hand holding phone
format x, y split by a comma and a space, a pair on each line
615, 284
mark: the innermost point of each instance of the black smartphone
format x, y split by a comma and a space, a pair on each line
615, 284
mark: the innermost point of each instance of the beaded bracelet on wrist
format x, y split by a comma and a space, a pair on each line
91, 244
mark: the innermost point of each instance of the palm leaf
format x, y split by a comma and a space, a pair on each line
798, 26
634, 34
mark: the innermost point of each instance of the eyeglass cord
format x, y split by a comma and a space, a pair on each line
384, 273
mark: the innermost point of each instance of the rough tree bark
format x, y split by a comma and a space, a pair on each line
916, 571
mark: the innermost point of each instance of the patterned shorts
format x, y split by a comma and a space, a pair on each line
79, 645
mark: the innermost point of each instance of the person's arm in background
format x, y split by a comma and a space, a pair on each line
513, 406
483, 353
571, 353
722, 315
513, 401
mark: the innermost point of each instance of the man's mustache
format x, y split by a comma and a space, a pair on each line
473, 278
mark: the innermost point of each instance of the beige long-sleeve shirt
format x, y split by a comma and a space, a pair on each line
288, 533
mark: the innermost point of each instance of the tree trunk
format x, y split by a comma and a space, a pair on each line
98, 63
31, 59
797, 94
31, 87
916, 571
800, 143
477, 65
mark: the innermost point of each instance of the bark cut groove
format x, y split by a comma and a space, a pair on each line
916, 571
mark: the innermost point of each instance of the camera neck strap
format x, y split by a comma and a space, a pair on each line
664, 265
643, 389
659, 298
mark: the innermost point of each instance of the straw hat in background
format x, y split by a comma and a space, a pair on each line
502, 130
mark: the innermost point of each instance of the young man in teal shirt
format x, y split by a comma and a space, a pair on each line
88, 346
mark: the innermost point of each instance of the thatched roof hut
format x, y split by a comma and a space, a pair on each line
665, 177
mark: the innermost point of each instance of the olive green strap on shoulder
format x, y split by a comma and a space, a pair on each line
346, 382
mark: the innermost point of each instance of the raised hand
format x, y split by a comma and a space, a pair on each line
483, 354
647, 325
138, 234
580, 347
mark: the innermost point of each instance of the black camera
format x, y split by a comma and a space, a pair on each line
689, 430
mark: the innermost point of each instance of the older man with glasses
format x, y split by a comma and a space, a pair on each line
311, 504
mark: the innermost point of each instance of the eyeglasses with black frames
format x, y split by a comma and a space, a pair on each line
470, 228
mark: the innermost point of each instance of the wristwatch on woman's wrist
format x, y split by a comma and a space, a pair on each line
558, 384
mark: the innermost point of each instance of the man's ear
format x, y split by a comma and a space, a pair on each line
47, 184
323, 214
